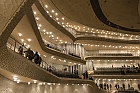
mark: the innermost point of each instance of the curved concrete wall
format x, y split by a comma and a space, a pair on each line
8, 86
14, 21
36, 31
17, 64
8, 9
49, 19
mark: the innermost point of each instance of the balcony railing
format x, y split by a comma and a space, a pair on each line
13, 44
76, 34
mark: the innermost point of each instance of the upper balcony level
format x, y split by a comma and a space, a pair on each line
105, 36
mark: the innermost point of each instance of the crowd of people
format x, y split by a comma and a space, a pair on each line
35, 57
124, 70
104, 86
29, 54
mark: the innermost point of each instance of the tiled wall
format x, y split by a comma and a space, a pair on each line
8, 7
8, 86
19, 65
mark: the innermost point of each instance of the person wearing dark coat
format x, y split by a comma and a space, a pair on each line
20, 50
36, 58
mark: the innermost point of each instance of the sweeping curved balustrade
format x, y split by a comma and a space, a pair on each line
76, 33
13, 44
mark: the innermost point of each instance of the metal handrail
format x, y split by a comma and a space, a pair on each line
13, 44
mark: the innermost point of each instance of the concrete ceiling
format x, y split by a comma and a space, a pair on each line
124, 14
26, 30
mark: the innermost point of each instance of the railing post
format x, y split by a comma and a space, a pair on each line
15, 46
42, 64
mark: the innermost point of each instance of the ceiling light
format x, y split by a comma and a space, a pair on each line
37, 18
15, 78
46, 6
22, 40
28, 46
29, 40
35, 81
44, 55
47, 11
29, 83
49, 83
39, 25
50, 32
62, 18
34, 12
52, 11
44, 83
19, 34
56, 13
70, 62
56, 18
18, 81
40, 83
59, 84
44, 30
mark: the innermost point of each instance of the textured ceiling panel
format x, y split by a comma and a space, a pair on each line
81, 11
122, 12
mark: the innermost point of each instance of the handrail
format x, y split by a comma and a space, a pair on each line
109, 54
13, 44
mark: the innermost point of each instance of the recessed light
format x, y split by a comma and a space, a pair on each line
37, 18
19, 34
56, 13
62, 18
35, 81
46, 6
29, 40
29, 83
52, 11
22, 40
18, 81
34, 12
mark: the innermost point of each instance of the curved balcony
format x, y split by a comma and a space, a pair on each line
32, 21
112, 58
108, 39
15, 63
84, 36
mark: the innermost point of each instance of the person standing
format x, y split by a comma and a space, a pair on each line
36, 58
20, 50
110, 86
